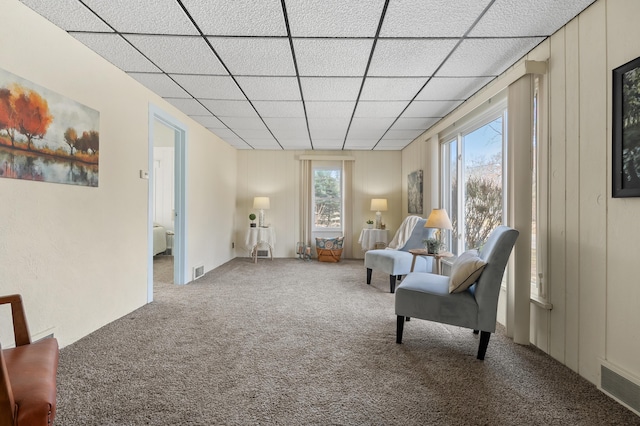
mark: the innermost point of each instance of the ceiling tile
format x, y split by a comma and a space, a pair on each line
409, 57
279, 108
288, 128
392, 144
116, 50
402, 134
224, 133
264, 143
327, 144
456, 88
302, 143
412, 123
330, 89
70, 15
255, 56
209, 121
486, 57
238, 17
143, 16
270, 88
380, 109
174, 54
391, 89
431, 18
209, 87
247, 134
373, 128
252, 123
225, 108
188, 106
509, 18
328, 128
334, 18
319, 109
423, 109
161, 84
360, 144
331, 57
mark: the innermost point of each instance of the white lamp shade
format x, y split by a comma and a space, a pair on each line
438, 219
378, 204
261, 203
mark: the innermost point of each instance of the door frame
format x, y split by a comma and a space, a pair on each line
180, 273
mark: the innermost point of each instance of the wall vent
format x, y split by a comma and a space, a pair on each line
620, 385
263, 253
198, 271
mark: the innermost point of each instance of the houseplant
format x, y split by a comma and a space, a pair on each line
369, 224
252, 217
433, 245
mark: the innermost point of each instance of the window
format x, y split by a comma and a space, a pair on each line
327, 196
474, 156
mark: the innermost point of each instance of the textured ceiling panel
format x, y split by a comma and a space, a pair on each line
116, 50
188, 55
143, 16
317, 109
409, 57
161, 84
255, 56
486, 57
391, 89
270, 88
431, 18
209, 121
329, 57
421, 109
380, 109
209, 87
513, 18
238, 17
330, 89
223, 108
303, 71
456, 88
268, 109
188, 106
68, 14
328, 128
334, 18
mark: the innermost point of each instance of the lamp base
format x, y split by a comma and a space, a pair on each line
378, 220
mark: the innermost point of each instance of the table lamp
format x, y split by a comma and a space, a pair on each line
262, 204
439, 219
378, 205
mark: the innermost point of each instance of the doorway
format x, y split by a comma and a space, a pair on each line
167, 139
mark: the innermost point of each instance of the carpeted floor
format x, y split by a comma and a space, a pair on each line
288, 342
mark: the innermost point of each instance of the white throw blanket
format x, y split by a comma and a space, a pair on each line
404, 233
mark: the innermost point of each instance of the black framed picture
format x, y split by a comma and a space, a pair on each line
626, 130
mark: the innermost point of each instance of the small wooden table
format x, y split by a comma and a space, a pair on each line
436, 257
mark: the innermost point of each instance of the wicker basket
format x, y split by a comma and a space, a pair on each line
328, 255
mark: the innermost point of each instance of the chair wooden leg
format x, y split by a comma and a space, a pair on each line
399, 329
476, 331
484, 342
392, 283
369, 270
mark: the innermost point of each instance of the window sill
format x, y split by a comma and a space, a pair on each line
541, 303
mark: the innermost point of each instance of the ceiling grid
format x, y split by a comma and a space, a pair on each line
312, 74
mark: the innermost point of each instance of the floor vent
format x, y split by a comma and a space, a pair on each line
623, 389
198, 271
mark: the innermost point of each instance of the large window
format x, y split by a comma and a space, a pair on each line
473, 180
327, 197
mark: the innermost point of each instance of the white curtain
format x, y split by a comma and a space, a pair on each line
347, 209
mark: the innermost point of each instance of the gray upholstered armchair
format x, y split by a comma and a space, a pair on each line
427, 296
396, 260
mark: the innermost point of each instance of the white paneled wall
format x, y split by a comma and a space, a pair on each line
163, 186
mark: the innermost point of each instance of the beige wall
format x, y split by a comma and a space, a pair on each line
593, 238
78, 255
276, 174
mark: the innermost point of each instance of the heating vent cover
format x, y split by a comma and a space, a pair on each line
620, 388
263, 253
198, 271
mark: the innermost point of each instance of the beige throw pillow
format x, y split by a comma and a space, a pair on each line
465, 271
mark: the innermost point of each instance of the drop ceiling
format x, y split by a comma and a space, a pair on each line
312, 74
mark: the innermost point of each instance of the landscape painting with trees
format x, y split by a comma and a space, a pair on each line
45, 136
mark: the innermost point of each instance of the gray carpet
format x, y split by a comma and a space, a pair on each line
289, 342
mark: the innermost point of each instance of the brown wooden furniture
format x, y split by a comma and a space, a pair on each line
436, 257
27, 374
